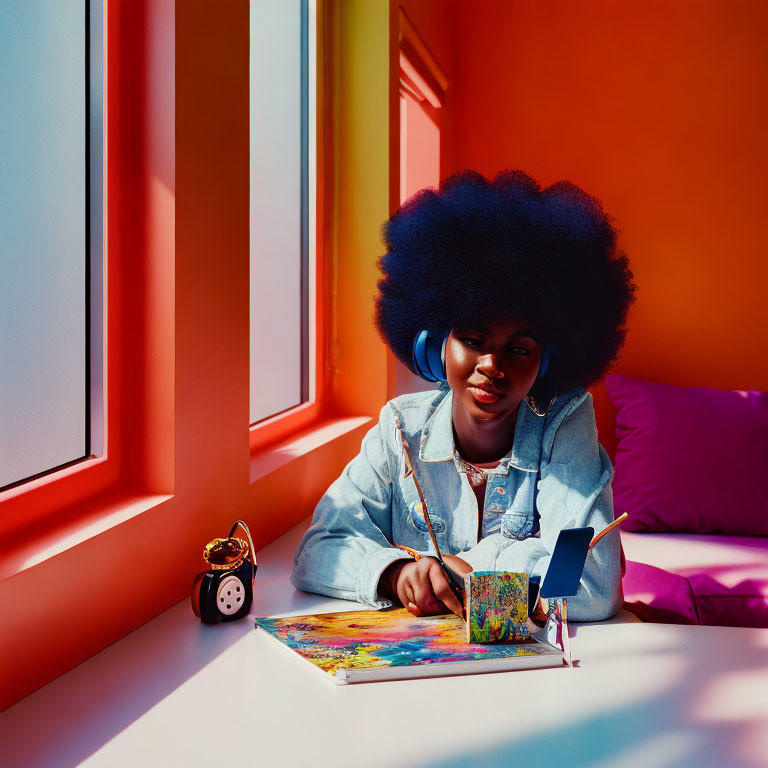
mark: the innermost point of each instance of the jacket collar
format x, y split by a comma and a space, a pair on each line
437, 437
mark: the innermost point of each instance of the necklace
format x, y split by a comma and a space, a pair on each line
476, 475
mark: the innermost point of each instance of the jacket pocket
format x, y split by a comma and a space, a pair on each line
517, 524
417, 521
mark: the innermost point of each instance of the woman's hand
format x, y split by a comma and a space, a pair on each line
422, 587
462, 567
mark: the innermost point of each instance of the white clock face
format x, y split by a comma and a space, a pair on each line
230, 596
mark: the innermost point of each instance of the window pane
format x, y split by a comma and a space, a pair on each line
278, 167
42, 236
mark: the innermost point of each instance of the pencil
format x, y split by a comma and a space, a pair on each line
608, 528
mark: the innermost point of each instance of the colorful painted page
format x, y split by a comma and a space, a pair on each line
497, 607
394, 643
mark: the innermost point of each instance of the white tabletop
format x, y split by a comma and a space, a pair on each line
176, 692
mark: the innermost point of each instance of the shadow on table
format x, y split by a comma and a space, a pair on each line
76, 714
674, 729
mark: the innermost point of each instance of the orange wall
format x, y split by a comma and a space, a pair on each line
435, 21
661, 110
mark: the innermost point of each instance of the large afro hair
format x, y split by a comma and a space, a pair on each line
475, 251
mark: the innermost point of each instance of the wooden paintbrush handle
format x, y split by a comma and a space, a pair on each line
409, 467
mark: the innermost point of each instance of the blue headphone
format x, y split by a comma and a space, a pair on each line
428, 356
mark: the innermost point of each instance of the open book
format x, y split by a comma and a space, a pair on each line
365, 646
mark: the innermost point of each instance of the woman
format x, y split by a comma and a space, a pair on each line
514, 299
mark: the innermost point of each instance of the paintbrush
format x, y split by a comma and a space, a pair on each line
455, 582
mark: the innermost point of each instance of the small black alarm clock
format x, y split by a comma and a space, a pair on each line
225, 592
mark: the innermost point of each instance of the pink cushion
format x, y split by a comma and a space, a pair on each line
727, 577
657, 595
690, 459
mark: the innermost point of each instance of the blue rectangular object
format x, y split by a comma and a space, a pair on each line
567, 562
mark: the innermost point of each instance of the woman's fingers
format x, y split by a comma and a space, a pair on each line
462, 567
424, 590
423, 596
405, 593
413, 608
404, 589
442, 589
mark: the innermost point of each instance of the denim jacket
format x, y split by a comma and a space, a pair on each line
372, 505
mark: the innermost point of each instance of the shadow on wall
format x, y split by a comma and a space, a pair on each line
408, 383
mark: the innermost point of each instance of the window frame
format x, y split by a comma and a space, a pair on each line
176, 365
119, 264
